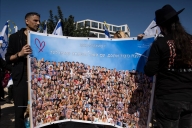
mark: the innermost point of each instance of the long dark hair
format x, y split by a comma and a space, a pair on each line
183, 41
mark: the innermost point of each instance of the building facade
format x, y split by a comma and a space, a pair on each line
97, 28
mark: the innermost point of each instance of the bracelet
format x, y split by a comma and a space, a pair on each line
18, 55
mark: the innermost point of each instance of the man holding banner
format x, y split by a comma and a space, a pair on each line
16, 54
170, 60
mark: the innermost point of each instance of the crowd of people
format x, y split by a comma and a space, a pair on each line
74, 90
60, 90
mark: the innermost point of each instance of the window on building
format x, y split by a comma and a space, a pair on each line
100, 26
116, 28
92, 34
94, 25
80, 24
96, 34
123, 28
128, 29
101, 36
87, 23
110, 28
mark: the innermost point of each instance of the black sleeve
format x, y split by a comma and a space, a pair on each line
8, 67
152, 65
10, 49
4, 65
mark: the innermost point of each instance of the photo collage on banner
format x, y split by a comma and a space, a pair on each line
89, 80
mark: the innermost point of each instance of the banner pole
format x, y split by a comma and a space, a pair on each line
29, 84
151, 102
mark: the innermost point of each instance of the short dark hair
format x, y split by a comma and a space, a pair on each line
31, 14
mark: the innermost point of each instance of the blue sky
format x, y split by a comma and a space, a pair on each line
136, 13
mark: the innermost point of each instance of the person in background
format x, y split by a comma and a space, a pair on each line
120, 34
3, 66
170, 59
16, 54
140, 36
10, 90
2, 85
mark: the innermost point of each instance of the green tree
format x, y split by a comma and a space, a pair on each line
68, 25
61, 17
81, 31
50, 22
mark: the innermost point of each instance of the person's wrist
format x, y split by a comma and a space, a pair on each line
18, 55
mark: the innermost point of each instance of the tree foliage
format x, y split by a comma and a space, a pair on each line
50, 22
69, 26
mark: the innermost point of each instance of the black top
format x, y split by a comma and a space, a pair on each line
172, 83
4, 65
19, 66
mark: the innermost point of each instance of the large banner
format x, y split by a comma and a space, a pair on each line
89, 80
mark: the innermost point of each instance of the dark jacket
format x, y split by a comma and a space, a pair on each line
172, 83
4, 65
15, 46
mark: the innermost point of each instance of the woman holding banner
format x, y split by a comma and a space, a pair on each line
170, 59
